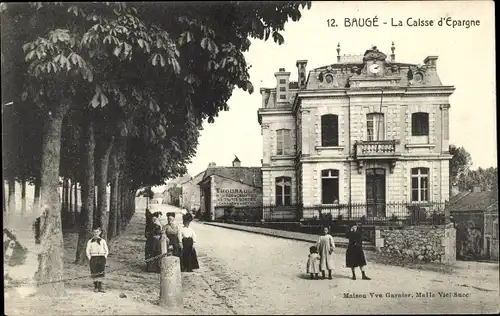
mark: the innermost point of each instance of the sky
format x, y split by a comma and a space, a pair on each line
466, 61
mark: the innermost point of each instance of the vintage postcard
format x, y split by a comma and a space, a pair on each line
239, 158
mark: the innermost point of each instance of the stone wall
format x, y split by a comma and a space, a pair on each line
417, 243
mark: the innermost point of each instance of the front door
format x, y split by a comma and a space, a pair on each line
375, 192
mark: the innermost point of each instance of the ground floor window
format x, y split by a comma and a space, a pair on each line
283, 191
420, 184
329, 186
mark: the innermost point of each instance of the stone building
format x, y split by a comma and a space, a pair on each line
225, 188
191, 193
173, 192
366, 129
476, 219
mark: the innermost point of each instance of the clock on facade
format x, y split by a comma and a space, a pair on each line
374, 68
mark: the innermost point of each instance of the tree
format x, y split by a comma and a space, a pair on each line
459, 164
164, 68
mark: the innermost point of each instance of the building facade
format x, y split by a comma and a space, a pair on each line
224, 189
191, 193
366, 129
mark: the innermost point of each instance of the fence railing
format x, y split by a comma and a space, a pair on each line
397, 213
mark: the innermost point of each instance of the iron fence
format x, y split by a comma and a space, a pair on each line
396, 213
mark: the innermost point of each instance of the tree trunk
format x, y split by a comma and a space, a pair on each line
70, 204
23, 196
119, 212
64, 205
4, 198
50, 258
88, 195
102, 196
12, 194
36, 198
113, 193
76, 210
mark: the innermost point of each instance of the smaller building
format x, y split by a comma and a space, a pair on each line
173, 192
191, 193
476, 218
228, 188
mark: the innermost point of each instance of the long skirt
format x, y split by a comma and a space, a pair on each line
189, 259
97, 266
355, 257
153, 247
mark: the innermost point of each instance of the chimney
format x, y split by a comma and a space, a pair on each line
211, 165
282, 79
338, 52
393, 56
301, 70
476, 189
236, 162
430, 62
265, 96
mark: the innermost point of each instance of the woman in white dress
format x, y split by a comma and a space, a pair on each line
189, 259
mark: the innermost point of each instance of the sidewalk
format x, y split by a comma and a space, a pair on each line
339, 241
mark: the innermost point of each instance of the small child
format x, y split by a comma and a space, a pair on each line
313, 262
97, 253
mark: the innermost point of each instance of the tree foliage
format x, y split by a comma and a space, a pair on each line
144, 75
459, 164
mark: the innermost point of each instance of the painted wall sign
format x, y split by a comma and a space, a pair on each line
237, 197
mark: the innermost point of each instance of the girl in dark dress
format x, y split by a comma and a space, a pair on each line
189, 259
355, 256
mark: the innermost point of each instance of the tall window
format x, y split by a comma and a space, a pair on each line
284, 142
375, 128
329, 186
329, 130
420, 124
420, 184
283, 191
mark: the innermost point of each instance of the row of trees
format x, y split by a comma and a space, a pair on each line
464, 178
115, 93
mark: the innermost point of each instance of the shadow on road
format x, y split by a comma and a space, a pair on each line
306, 276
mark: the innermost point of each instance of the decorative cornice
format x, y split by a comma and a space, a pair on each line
444, 106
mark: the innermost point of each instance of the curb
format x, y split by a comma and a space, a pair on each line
337, 244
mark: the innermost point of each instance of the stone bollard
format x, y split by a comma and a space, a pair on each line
170, 278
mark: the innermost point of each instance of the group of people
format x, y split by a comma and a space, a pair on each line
180, 240
321, 258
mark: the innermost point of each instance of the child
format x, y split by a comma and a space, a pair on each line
97, 252
326, 246
313, 262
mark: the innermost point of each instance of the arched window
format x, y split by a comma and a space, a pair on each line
329, 186
420, 184
283, 191
375, 128
420, 124
329, 130
284, 142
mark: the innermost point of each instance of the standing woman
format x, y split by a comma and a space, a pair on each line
355, 256
173, 234
325, 247
189, 259
153, 245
